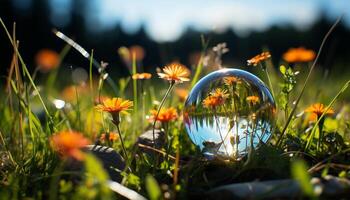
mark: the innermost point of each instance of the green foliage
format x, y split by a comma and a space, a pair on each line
300, 174
123, 83
289, 82
133, 181
152, 188
94, 185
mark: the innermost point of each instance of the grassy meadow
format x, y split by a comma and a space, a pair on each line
49, 115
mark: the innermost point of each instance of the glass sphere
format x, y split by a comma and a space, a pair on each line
229, 112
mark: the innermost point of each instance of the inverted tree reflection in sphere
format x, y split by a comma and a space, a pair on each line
228, 112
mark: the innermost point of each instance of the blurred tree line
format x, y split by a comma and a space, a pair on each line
34, 31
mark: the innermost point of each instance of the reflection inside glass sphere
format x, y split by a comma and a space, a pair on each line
229, 112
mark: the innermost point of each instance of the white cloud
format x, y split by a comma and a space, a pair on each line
167, 20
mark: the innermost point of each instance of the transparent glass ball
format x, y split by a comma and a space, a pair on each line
229, 112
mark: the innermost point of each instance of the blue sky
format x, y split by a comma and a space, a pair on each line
166, 20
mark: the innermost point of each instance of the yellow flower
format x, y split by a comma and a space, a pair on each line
231, 80
317, 110
259, 58
253, 99
141, 76
165, 114
299, 55
115, 105
47, 59
69, 144
175, 72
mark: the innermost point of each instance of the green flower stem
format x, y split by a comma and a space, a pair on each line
134, 82
198, 70
320, 135
172, 83
166, 129
122, 142
78, 108
92, 93
268, 79
199, 67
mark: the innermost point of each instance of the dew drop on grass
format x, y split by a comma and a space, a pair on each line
228, 112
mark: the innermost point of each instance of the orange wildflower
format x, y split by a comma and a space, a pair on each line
299, 54
311, 118
181, 93
47, 59
253, 99
317, 110
175, 72
219, 93
215, 98
211, 102
165, 115
112, 136
69, 144
231, 80
115, 105
259, 58
141, 76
